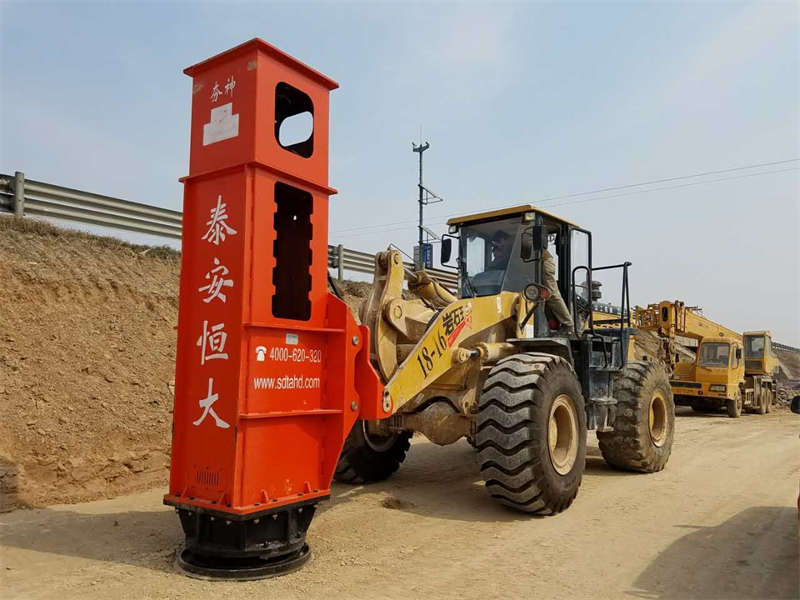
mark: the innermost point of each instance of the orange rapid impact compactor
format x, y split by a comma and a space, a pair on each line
272, 370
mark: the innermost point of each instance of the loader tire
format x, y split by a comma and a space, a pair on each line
734, 407
644, 426
531, 433
366, 458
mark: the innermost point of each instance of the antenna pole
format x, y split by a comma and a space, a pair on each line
420, 149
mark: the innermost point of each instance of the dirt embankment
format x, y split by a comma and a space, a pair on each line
87, 355
790, 362
87, 351
87, 348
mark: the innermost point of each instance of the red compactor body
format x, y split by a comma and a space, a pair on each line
272, 370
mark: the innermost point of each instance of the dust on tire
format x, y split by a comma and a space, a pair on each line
632, 446
512, 433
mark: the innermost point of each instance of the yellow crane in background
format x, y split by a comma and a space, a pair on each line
730, 369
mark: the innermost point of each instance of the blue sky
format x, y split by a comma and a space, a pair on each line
521, 103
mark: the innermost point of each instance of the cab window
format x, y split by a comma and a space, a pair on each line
715, 354
754, 347
490, 255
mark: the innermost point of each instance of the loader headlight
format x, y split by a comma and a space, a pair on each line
452, 229
717, 388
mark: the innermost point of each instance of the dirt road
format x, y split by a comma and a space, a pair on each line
719, 522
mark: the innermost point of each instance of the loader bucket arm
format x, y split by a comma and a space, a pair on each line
441, 348
394, 320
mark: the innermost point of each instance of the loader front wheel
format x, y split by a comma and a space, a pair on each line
367, 458
531, 433
644, 426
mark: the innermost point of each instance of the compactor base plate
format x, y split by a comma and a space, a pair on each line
242, 568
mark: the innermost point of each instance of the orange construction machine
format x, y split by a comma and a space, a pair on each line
277, 388
272, 370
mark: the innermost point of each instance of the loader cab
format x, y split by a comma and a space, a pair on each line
506, 250
503, 251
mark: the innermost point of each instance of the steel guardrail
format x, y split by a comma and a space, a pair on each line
22, 197
344, 259
785, 347
26, 197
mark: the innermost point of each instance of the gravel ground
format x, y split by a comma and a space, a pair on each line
719, 522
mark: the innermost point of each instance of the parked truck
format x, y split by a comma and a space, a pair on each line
731, 370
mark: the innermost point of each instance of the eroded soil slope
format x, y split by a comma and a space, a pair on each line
87, 345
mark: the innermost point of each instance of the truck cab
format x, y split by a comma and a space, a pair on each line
715, 376
759, 356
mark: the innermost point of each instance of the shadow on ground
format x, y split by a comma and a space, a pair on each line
686, 411
434, 482
754, 554
445, 483
138, 538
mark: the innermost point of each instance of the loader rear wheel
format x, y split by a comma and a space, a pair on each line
367, 458
531, 433
644, 426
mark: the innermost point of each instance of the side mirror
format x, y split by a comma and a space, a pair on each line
738, 354
526, 245
447, 249
796, 405
531, 239
538, 237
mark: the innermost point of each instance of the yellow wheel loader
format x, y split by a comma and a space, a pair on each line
493, 364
